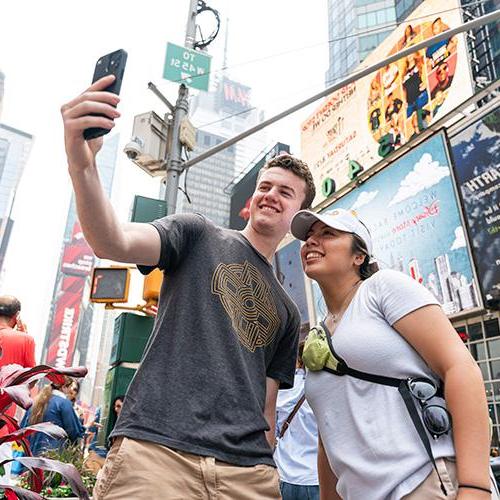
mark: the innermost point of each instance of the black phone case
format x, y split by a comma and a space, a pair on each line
110, 64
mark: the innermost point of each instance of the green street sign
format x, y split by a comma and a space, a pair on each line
187, 66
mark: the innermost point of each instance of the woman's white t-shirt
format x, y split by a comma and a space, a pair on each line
371, 443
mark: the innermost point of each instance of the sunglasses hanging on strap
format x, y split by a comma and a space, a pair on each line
319, 354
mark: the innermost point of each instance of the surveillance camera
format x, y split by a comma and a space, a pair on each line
134, 148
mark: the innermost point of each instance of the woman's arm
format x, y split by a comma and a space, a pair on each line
71, 423
327, 479
432, 335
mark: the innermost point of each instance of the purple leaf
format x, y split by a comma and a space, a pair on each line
22, 494
14, 376
69, 472
48, 428
18, 394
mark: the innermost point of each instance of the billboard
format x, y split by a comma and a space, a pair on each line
365, 121
412, 213
233, 97
476, 155
243, 190
78, 257
288, 268
61, 344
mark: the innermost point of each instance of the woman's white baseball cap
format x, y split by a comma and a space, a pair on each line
343, 220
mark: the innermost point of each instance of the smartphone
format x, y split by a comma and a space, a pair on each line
110, 64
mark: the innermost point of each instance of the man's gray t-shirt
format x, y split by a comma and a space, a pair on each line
224, 324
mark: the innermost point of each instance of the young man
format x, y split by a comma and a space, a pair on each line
198, 418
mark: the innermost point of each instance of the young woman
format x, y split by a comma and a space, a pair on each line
53, 405
387, 325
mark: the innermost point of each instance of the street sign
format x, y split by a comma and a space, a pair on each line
187, 66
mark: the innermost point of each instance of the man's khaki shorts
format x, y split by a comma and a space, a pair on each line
142, 470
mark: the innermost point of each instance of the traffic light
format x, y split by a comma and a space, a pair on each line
152, 286
110, 284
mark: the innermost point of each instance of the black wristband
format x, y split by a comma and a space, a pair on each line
471, 486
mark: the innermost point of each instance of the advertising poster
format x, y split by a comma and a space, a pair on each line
412, 213
476, 157
233, 97
61, 345
289, 271
78, 257
362, 123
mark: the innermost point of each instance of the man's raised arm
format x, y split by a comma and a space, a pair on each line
132, 242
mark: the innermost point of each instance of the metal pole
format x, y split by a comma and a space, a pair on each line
480, 21
174, 162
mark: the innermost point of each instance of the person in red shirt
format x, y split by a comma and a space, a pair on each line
16, 347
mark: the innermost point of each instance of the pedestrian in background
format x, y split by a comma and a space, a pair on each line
385, 432
296, 452
16, 347
53, 405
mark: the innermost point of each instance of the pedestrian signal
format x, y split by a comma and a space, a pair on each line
152, 286
110, 284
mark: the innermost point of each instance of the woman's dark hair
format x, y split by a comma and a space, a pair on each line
366, 269
117, 398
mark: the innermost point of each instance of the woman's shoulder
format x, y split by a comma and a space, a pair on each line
386, 275
386, 280
58, 400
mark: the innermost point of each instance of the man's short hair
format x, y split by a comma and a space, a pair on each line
299, 168
9, 306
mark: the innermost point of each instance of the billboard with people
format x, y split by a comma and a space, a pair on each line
476, 158
412, 212
365, 121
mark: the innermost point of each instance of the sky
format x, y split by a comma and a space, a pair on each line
48, 52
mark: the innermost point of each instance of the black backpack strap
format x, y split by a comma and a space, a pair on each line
344, 369
404, 390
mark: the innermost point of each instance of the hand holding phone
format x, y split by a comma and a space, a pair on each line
20, 325
110, 64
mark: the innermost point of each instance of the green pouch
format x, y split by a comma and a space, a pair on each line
316, 354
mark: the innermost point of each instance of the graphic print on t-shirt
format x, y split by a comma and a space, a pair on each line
248, 301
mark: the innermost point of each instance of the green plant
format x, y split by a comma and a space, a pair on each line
54, 484
14, 382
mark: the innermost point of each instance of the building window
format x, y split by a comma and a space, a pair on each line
491, 328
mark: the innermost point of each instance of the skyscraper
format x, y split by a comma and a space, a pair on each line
2, 80
356, 27
70, 319
15, 147
220, 115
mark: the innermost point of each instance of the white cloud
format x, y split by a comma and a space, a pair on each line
364, 198
459, 239
425, 174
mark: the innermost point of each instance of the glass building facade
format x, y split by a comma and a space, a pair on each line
218, 115
483, 341
206, 181
356, 27
15, 147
